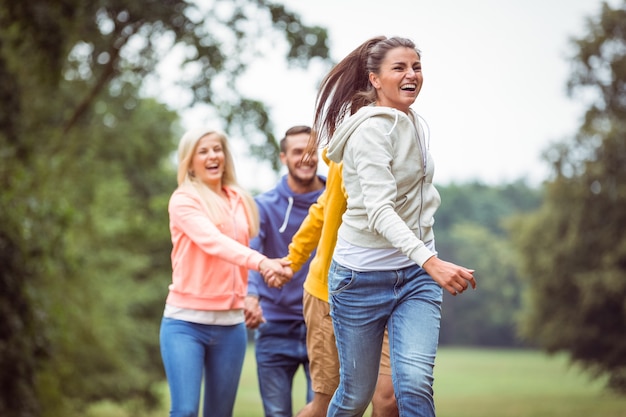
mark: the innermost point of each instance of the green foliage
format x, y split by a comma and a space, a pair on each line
21, 344
85, 177
574, 248
485, 317
108, 304
471, 230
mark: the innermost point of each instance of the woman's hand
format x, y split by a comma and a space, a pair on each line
453, 278
275, 272
277, 281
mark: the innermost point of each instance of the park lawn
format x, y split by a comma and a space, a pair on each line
486, 383
517, 383
482, 383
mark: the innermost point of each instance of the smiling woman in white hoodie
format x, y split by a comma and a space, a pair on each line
385, 270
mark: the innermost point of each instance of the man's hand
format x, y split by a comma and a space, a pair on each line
252, 312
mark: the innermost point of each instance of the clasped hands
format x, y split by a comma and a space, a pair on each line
276, 272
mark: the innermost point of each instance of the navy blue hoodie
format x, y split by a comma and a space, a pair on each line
281, 212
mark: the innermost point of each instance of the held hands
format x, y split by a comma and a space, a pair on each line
278, 281
453, 278
276, 272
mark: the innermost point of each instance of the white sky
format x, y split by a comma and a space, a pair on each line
495, 74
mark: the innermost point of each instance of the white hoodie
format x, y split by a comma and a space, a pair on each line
387, 174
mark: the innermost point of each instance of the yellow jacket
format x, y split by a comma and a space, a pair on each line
320, 226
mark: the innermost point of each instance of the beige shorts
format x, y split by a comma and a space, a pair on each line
321, 347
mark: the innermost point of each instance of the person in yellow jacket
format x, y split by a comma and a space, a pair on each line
319, 230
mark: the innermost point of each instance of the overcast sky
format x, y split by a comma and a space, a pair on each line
495, 74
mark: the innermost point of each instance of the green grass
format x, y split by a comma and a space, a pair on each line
517, 383
475, 383
487, 383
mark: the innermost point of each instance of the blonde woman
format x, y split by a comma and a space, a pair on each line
202, 331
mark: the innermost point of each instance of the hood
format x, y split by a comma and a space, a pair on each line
351, 124
325, 157
303, 201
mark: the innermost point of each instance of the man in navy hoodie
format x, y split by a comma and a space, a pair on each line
276, 313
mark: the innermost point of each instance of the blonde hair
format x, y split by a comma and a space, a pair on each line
214, 204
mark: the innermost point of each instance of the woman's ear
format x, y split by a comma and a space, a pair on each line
374, 80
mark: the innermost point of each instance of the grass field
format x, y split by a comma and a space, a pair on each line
478, 383
501, 383
488, 383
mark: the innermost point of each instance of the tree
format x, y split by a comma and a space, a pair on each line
470, 229
485, 317
85, 174
573, 247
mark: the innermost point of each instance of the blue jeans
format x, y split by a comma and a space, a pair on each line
408, 302
280, 350
190, 350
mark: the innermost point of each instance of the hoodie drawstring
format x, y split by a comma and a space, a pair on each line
287, 213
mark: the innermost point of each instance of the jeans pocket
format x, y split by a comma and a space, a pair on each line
340, 278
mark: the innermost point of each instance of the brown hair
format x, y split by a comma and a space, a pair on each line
346, 88
295, 130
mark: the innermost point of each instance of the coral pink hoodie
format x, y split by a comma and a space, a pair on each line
210, 261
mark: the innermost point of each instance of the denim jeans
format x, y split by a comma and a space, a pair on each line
408, 302
190, 350
280, 348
